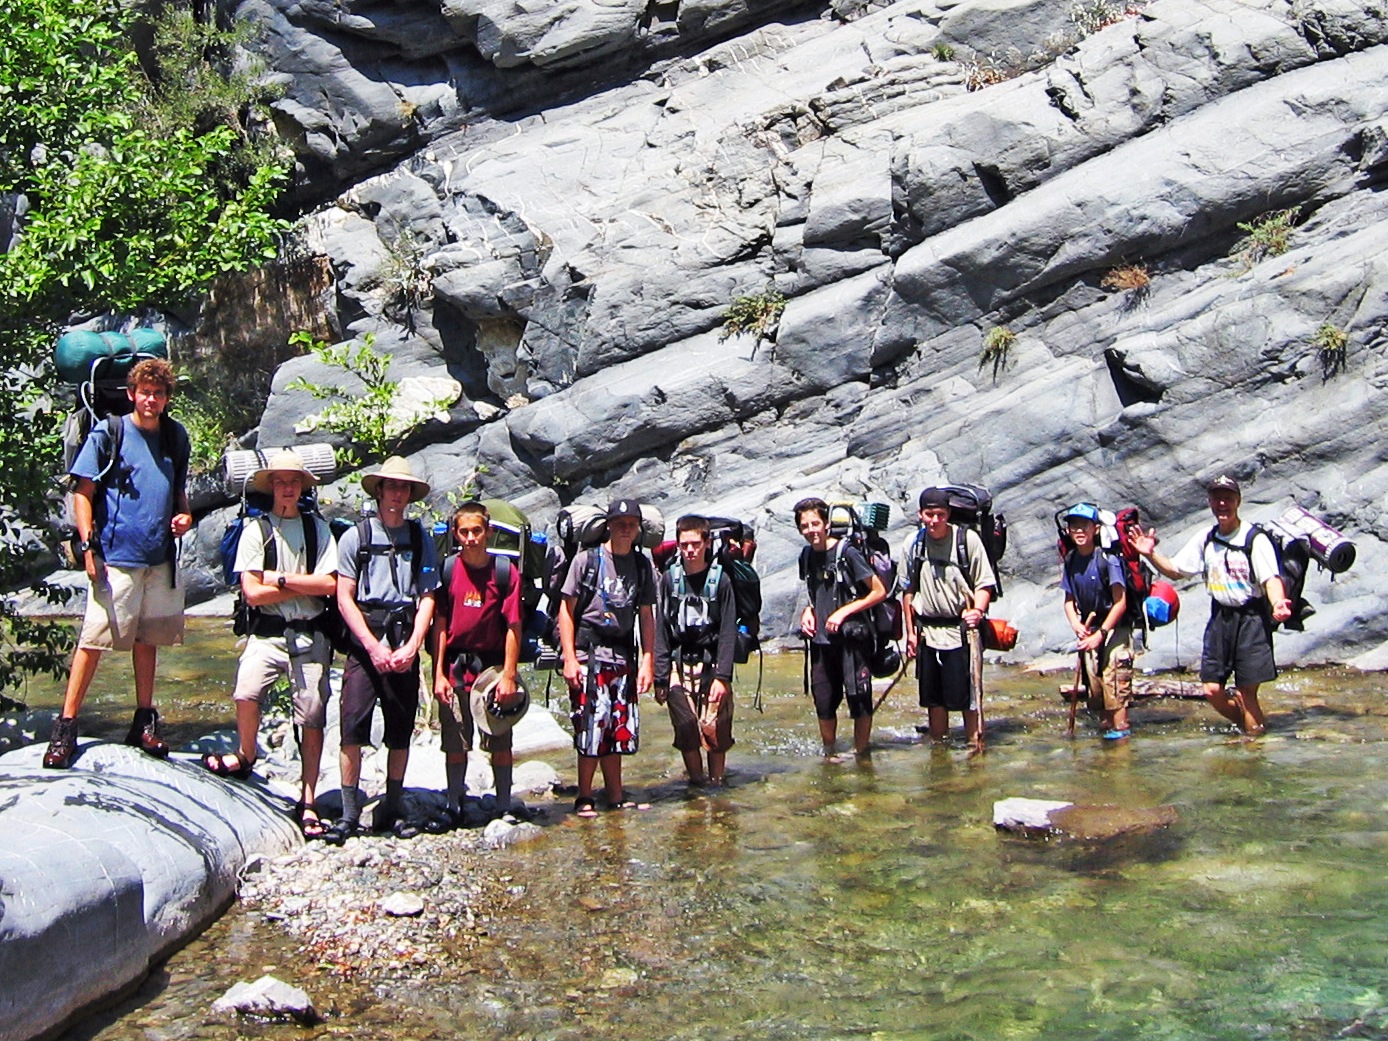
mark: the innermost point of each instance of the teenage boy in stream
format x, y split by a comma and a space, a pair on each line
1096, 604
387, 603
128, 512
943, 604
476, 626
608, 603
696, 637
286, 636
841, 585
1239, 565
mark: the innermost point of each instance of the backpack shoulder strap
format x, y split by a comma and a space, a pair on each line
416, 552
270, 558
175, 443
961, 552
115, 436
310, 523
505, 573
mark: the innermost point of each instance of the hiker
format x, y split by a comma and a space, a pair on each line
1096, 604
842, 585
129, 504
286, 637
387, 574
477, 626
1239, 565
949, 585
696, 637
608, 606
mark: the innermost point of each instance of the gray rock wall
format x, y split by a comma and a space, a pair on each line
590, 185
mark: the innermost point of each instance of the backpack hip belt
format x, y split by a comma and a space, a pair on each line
589, 637
938, 621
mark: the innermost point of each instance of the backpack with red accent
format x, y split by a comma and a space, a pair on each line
1116, 533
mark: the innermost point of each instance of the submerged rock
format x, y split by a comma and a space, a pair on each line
1075, 821
267, 998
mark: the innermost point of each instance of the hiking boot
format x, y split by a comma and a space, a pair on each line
144, 734
62, 744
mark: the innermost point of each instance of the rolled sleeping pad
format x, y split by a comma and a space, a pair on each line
1163, 605
82, 355
1328, 547
242, 463
587, 525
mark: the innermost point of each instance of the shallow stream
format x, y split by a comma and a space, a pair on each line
812, 900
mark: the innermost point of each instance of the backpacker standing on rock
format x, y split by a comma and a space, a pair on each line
842, 587
287, 561
387, 574
1247, 595
696, 638
608, 601
477, 626
129, 504
1096, 605
949, 585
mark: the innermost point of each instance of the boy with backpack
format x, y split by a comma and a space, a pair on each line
387, 573
477, 626
842, 585
608, 604
696, 637
949, 585
287, 561
1239, 564
1096, 604
129, 504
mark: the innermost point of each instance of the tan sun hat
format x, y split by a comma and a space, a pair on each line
396, 468
490, 719
284, 461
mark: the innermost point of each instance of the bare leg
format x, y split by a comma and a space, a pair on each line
396, 761
829, 734
1254, 722
862, 734
587, 769
973, 730
247, 728
79, 679
1220, 701
349, 761
694, 766
310, 761
717, 767
144, 656
939, 723
612, 779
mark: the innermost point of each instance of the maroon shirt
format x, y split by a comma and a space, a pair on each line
477, 618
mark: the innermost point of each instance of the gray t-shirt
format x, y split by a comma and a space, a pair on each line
619, 590
288, 535
942, 590
389, 573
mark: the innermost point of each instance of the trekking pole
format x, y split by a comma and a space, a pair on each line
890, 686
1075, 687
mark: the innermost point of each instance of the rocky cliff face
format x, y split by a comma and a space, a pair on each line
557, 204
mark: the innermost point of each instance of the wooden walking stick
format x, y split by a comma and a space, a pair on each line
1080, 678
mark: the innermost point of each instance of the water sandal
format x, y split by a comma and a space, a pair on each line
585, 807
311, 825
216, 763
1117, 735
339, 832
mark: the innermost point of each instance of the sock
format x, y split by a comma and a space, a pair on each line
390, 805
503, 788
457, 785
351, 803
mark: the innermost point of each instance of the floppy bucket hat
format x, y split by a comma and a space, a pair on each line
488, 716
284, 461
396, 468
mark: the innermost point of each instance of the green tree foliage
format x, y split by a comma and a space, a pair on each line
140, 184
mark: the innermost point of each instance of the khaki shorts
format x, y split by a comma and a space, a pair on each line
266, 658
1111, 677
133, 605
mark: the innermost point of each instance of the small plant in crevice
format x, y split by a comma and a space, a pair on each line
1332, 346
757, 314
942, 52
1267, 236
1127, 278
1089, 18
997, 346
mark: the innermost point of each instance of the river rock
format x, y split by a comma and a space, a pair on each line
403, 905
500, 834
109, 866
267, 998
1078, 821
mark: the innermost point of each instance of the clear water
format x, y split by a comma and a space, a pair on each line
811, 900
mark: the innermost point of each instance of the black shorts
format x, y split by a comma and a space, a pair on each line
944, 678
363, 686
838, 669
1238, 642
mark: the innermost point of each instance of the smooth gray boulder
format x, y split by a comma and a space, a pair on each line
107, 867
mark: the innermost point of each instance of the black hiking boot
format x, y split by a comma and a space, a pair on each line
62, 744
144, 734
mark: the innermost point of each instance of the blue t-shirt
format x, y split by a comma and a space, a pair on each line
137, 495
1090, 580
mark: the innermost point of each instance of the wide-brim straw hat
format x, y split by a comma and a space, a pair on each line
396, 468
490, 719
284, 461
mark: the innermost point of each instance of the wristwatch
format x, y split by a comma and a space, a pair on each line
81, 546
280, 581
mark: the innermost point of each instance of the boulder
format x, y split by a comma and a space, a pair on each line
1076, 821
267, 998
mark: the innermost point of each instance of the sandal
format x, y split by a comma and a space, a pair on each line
339, 831
216, 763
310, 824
585, 807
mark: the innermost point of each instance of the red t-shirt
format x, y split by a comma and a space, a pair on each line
477, 618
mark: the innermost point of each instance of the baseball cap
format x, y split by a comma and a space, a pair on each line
623, 508
1224, 483
933, 498
1083, 511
